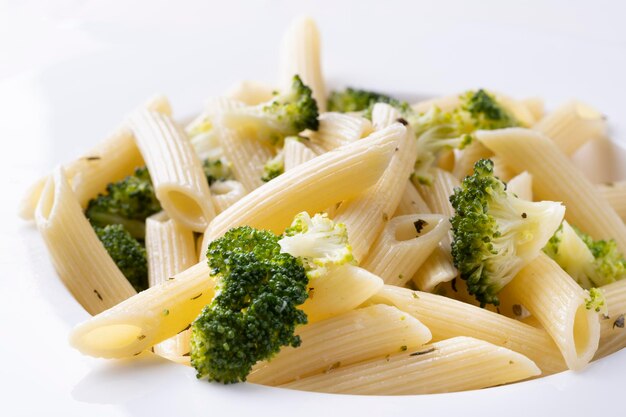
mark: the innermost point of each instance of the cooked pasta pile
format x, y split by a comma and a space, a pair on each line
444, 245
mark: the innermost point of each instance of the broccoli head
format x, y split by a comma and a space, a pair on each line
287, 114
254, 312
274, 167
596, 301
495, 234
127, 202
216, 170
592, 263
318, 242
356, 100
127, 253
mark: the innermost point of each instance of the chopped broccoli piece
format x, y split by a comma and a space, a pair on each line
596, 301
274, 167
255, 310
437, 130
592, 263
216, 170
495, 233
356, 100
127, 202
127, 253
319, 242
286, 114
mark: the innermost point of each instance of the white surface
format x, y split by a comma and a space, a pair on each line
70, 70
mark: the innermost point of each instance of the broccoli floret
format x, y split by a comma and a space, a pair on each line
495, 233
127, 253
437, 130
255, 310
274, 167
592, 263
127, 202
286, 114
596, 301
356, 100
216, 170
318, 242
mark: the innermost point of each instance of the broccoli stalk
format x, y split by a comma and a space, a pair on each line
495, 234
259, 288
127, 202
127, 253
592, 263
286, 114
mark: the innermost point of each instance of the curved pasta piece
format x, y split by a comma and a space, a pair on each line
338, 129
612, 329
411, 201
296, 153
226, 193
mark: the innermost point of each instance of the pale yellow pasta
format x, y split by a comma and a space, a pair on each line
296, 153
147, 318
342, 289
501, 169
558, 303
612, 330
312, 186
522, 186
437, 195
436, 269
352, 337
384, 115
615, 194
445, 103
556, 178
411, 201
251, 92
338, 129
113, 159
247, 156
366, 215
572, 125
457, 364
79, 258
403, 245
176, 171
226, 193
535, 106
448, 318
466, 158
300, 54
176, 348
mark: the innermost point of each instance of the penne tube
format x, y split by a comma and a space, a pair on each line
352, 337
572, 125
612, 332
457, 364
411, 201
403, 246
557, 179
147, 318
436, 269
113, 159
296, 153
338, 129
226, 193
558, 303
615, 195
467, 157
342, 289
445, 103
535, 106
437, 195
522, 186
247, 157
77, 254
300, 55
251, 92
366, 215
313, 186
384, 115
448, 318
176, 171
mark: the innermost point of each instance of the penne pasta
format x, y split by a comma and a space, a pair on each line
466, 158
296, 153
557, 179
522, 186
79, 258
457, 364
247, 157
436, 269
338, 129
612, 332
615, 195
535, 106
384, 115
226, 193
411, 201
403, 245
251, 92
176, 171
352, 337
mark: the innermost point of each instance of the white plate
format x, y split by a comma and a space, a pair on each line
71, 71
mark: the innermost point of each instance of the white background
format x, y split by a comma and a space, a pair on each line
70, 70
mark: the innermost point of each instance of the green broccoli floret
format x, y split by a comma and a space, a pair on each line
596, 301
287, 114
127, 253
216, 170
274, 167
437, 130
255, 310
356, 100
592, 263
127, 202
260, 285
495, 234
